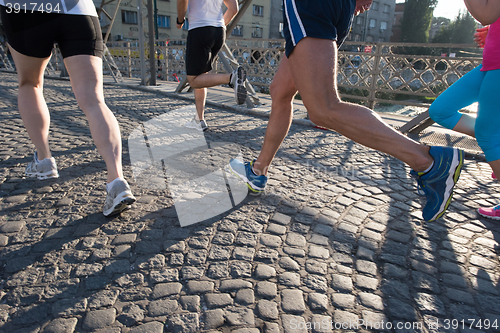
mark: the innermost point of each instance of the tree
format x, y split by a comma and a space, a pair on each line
460, 31
416, 20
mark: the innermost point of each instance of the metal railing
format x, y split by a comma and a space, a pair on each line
396, 73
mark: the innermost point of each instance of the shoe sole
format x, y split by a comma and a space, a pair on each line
451, 181
121, 203
489, 217
240, 92
253, 191
42, 176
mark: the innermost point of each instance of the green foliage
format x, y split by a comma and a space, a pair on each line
416, 20
460, 31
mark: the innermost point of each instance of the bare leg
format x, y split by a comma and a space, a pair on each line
313, 64
282, 92
31, 103
466, 125
86, 79
200, 96
208, 80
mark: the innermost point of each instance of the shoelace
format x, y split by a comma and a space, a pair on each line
420, 186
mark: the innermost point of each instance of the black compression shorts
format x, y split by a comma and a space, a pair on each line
202, 47
34, 33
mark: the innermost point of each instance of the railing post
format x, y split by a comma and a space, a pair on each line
129, 55
375, 73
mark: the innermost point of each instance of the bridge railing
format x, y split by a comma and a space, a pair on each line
396, 73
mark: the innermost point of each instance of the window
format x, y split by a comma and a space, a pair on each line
238, 31
383, 25
129, 17
369, 38
381, 39
185, 26
163, 21
258, 10
257, 32
357, 37
373, 23
360, 20
374, 6
387, 8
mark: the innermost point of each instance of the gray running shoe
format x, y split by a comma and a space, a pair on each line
118, 198
238, 83
44, 169
197, 125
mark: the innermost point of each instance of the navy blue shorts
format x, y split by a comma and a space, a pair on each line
325, 19
202, 46
34, 33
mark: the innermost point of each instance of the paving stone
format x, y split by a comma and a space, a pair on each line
61, 325
266, 289
239, 316
341, 283
190, 303
372, 301
294, 239
164, 307
166, 289
218, 300
183, 322
345, 301
293, 324
292, 301
214, 318
197, 287
232, 285
99, 319
289, 279
263, 271
318, 301
245, 297
281, 218
267, 309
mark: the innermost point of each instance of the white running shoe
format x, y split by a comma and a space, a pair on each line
197, 125
238, 83
44, 169
118, 199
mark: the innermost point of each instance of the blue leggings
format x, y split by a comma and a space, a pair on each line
475, 86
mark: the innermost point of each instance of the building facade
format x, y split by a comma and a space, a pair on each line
374, 25
255, 23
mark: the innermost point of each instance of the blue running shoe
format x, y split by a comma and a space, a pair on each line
438, 183
256, 184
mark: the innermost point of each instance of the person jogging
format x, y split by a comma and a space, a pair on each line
313, 32
32, 28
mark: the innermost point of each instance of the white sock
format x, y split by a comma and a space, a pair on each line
429, 168
110, 185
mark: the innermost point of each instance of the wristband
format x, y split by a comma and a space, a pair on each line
180, 23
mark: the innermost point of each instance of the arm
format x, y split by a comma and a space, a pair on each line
362, 6
232, 10
485, 11
182, 6
480, 36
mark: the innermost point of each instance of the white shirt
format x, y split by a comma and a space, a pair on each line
202, 13
72, 7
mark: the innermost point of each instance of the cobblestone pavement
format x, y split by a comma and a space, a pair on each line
336, 240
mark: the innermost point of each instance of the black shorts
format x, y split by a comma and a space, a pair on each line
202, 47
34, 33
325, 19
